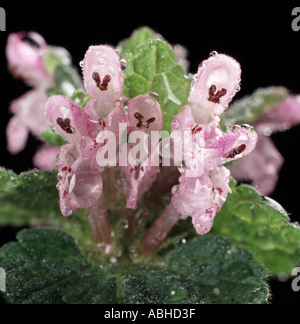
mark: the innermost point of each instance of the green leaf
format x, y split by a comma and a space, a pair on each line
223, 274
262, 227
249, 109
53, 138
157, 285
153, 67
66, 81
45, 266
81, 98
31, 199
28, 198
141, 36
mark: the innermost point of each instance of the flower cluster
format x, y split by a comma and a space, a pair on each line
204, 182
109, 126
27, 54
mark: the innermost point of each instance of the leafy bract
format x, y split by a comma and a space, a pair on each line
261, 226
46, 267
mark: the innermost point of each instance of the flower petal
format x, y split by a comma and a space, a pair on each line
215, 197
261, 167
216, 83
236, 143
80, 185
17, 135
45, 158
141, 180
280, 118
29, 110
103, 78
202, 198
69, 120
144, 114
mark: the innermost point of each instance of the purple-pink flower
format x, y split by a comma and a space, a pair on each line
262, 166
26, 54
204, 181
204, 147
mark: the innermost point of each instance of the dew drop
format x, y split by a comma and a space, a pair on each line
175, 190
154, 95
123, 64
113, 260
167, 199
216, 291
175, 124
236, 128
213, 53
125, 224
81, 64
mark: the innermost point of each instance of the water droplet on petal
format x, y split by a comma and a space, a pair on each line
175, 190
238, 88
236, 128
167, 199
123, 64
213, 53
81, 64
175, 124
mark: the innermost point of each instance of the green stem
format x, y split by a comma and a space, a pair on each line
160, 230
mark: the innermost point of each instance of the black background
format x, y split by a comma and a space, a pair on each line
259, 36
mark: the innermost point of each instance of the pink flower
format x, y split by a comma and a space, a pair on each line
25, 53
204, 182
262, 166
103, 78
144, 115
86, 130
46, 157
80, 184
216, 83
28, 118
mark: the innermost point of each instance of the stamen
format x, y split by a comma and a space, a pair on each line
65, 125
140, 118
103, 86
215, 97
105, 82
232, 154
150, 121
31, 42
96, 77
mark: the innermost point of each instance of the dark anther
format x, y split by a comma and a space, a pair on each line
103, 86
232, 154
65, 125
150, 121
96, 77
140, 118
31, 41
215, 97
